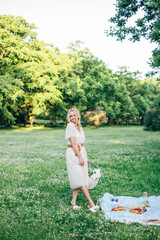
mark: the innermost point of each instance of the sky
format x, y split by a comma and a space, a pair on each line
60, 22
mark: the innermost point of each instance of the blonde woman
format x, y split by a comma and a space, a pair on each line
76, 158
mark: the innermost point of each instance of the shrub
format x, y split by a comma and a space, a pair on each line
95, 117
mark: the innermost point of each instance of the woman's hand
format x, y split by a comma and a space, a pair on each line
81, 161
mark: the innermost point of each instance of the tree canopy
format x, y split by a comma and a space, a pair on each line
135, 19
37, 80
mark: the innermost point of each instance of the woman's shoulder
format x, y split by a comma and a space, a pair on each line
70, 125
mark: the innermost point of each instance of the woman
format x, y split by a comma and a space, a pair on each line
76, 158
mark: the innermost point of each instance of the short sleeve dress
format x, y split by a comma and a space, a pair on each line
77, 174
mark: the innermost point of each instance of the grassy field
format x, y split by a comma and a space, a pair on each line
35, 194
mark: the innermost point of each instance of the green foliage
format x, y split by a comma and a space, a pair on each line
11, 94
35, 193
118, 104
43, 82
32, 62
141, 92
147, 25
152, 118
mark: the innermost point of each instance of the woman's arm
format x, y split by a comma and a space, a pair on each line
75, 148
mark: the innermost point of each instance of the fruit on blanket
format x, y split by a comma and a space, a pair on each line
137, 210
119, 208
134, 211
142, 206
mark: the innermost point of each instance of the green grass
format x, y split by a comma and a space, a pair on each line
35, 194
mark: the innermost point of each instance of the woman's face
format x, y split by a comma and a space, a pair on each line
73, 117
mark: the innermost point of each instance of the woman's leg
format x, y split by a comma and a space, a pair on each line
87, 195
74, 197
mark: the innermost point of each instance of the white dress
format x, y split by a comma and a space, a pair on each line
77, 174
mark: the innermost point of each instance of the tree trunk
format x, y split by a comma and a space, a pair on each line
32, 120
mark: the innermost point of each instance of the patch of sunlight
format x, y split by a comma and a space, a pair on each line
51, 137
116, 141
28, 128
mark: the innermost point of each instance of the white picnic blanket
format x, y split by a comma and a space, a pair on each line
152, 213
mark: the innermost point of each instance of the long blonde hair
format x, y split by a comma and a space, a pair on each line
78, 123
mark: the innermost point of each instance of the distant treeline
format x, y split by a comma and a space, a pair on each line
37, 80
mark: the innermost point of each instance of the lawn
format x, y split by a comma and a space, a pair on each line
35, 194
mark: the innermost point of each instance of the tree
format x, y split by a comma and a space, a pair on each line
147, 25
31, 62
141, 92
69, 82
117, 102
90, 71
152, 118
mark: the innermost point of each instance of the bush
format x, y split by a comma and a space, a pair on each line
152, 118
96, 117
